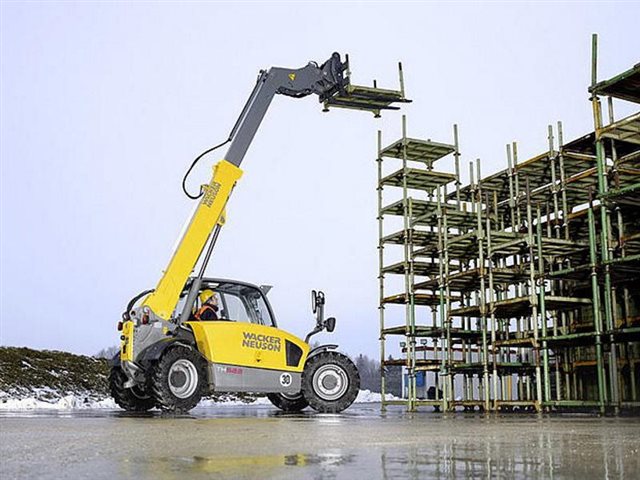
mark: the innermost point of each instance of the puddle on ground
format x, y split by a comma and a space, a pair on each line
361, 443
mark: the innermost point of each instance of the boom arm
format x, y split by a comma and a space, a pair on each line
323, 81
332, 86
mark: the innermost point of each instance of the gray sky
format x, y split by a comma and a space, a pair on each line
104, 105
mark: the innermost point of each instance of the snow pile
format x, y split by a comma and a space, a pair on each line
75, 402
68, 402
367, 396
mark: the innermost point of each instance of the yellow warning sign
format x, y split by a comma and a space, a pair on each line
292, 76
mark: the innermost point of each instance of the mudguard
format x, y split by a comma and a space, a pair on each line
155, 351
321, 348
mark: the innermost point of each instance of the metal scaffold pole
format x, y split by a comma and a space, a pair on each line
380, 272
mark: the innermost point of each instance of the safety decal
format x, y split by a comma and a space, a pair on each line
285, 379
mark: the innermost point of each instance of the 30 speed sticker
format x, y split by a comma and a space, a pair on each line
285, 379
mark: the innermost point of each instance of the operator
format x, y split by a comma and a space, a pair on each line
209, 308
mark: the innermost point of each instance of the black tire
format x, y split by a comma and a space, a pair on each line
178, 379
330, 382
133, 399
288, 403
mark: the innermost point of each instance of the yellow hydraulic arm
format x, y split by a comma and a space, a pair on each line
208, 214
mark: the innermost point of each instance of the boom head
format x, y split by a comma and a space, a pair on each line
360, 97
332, 83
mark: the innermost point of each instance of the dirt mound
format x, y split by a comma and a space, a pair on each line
49, 375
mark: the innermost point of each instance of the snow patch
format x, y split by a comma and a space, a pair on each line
75, 402
68, 402
367, 396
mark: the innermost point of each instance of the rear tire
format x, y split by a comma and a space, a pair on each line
133, 399
179, 380
288, 403
330, 382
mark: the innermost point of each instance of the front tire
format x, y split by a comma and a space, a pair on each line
330, 382
131, 399
288, 403
179, 379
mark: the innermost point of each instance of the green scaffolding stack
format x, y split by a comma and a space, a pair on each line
518, 286
412, 177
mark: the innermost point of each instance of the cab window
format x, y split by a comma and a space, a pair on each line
240, 303
258, 308
234, 309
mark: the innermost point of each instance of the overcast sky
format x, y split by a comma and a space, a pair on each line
104, 105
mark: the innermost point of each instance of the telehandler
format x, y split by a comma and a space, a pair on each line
192, 336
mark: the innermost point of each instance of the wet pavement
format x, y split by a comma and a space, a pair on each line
361, 443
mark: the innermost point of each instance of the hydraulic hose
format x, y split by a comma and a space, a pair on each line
132, 302
193, 164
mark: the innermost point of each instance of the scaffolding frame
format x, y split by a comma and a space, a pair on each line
516, 287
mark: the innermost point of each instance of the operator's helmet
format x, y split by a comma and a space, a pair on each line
208, 296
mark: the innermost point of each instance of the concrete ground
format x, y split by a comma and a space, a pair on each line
361, 443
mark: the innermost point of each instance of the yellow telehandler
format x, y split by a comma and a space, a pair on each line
191, 335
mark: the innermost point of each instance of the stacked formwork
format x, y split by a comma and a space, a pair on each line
526, 273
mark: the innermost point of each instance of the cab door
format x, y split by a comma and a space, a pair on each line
244, 335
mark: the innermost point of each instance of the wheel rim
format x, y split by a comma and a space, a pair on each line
330, 382
183, 378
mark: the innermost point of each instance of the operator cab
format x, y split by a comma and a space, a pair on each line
237, 302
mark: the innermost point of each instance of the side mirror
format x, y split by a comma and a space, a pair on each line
317, 305
314, 301
330, 324
317, 302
